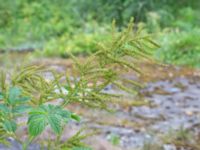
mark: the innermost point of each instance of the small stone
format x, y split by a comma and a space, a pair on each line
169, 147
189, 113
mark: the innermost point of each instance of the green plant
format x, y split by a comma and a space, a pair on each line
28, 94
182, 138
16, 104
188, 19
114, 139
31, 24
181, 48
79, 43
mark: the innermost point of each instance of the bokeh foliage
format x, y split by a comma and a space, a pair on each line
56, 27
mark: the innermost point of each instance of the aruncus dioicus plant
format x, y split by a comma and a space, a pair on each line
27, 94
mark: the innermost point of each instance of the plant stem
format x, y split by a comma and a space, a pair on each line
26, 143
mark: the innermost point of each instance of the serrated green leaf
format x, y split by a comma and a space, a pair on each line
55, 123
15, 97
22, 99
45, 115
66, 115
21, 109
38, 111
14, 93
4, 108
36, 124
9, 125
81, 148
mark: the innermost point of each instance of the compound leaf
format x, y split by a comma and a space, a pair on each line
15, 97
4, 108
55, 123
45, 115
36, 124
9, 125
21, 109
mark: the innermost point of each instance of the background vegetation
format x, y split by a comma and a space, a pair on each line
62, 28
57, 27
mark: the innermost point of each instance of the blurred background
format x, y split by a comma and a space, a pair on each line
55, 27
166, 113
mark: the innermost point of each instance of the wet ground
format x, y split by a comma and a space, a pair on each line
173, 105
164, 112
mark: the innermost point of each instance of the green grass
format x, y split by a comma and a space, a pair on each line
180, 48
180, 40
